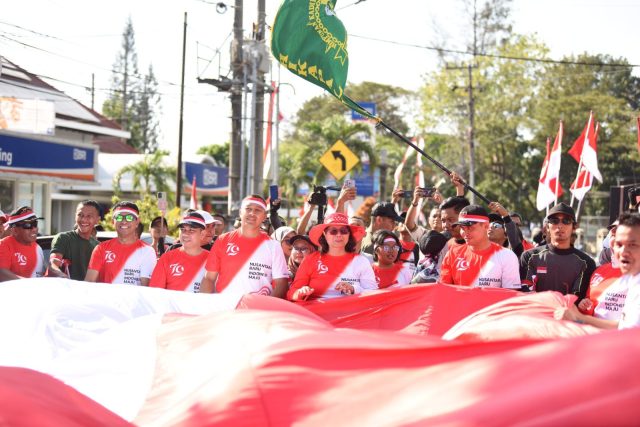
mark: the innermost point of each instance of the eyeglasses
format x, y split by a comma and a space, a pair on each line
127, 217
387, 248
302, 249
495, 225
555, 220
336, 231
27, 225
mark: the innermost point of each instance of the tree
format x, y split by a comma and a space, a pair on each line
134, 99
145, 124
219, 152
300, 153
150, 170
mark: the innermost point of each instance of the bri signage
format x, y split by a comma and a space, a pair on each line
212, 180
48, 159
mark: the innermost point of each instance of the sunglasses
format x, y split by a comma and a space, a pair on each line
27, 225
302, 249
127, 217
336, 231
556, 221
287, 241
495, 225
387, 248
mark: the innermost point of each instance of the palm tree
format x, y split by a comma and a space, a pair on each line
149, 170
300, 154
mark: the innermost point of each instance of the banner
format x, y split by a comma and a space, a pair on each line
27, 115
47, 159
210, 180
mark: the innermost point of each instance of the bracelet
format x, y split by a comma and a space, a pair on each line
415, 205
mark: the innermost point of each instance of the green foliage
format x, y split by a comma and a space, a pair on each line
150, 170
220, 152
389, 102
135, 101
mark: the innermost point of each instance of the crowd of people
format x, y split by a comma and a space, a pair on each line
459, 243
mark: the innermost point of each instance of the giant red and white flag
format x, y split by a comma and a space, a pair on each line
549, 188
193, 203
585, 149
584, 181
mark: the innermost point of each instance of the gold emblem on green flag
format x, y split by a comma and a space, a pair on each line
310, 41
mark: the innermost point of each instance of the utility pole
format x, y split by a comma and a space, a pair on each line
236, 114
258, 57
181, 125
472, 115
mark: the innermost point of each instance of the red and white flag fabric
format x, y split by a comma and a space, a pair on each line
584, 181
286, 364
267, 150
585, 149
193, 203
549, 188
398, 173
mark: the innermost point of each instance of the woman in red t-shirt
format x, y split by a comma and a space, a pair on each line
389, 269
336, 269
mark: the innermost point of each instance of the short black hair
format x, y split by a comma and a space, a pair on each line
93, 204
455, 202
629, 219
155, 222
126, 204
350, 247
217, 215
378, 239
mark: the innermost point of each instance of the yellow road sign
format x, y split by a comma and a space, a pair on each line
339, 160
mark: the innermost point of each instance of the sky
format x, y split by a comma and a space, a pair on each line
69, 40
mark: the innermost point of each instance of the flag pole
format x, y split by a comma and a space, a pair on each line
431, 159
560, 133
578, 209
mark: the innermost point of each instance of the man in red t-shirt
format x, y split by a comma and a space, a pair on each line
182, 269
246, 260
20, 255
479, 262
126, 259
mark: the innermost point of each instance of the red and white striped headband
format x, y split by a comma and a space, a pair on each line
21, 217
472, 218
389, 240
125, 211
253, 201
192, 219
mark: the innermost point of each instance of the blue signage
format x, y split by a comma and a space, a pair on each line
369, 106
365, 181
47, 158
209, 179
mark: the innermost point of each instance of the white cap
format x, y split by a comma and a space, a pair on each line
208, 219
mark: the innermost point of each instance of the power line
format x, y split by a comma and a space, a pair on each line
488, 55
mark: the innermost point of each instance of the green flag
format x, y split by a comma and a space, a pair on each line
310, 41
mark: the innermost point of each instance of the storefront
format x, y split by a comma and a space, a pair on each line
31, 164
